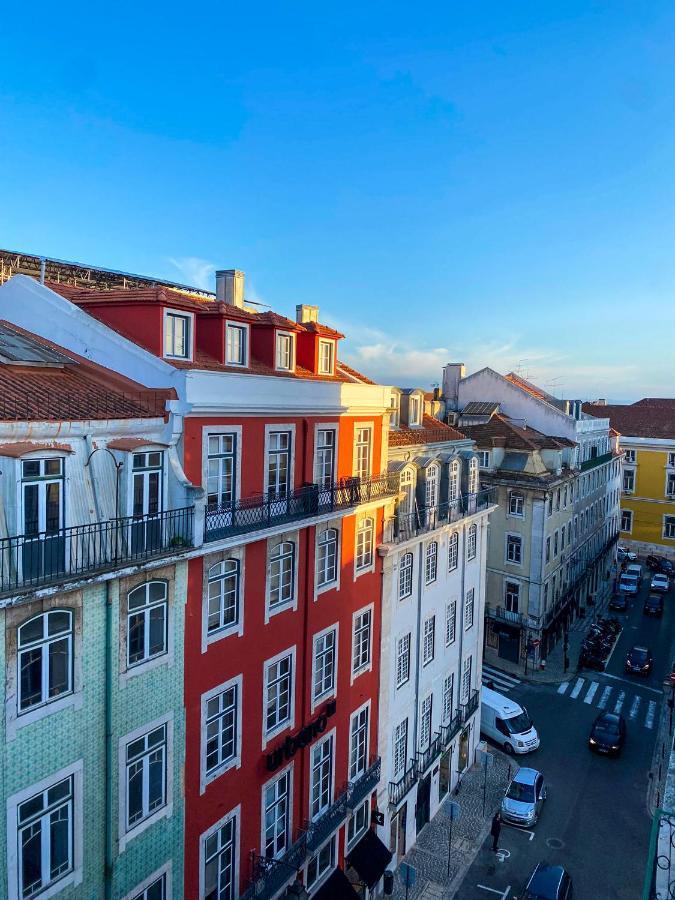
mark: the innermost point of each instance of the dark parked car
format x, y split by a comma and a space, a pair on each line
619, 602
608, 734
639, 660
548, 883
653, 605
660, 564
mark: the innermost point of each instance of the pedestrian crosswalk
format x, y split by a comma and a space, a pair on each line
635, 708
499, 680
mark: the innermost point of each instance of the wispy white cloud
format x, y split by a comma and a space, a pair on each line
196, 272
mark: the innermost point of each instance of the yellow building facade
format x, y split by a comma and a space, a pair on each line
647, 438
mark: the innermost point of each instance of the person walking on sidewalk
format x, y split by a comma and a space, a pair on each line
495, 830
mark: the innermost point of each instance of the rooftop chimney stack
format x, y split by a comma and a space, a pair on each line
230, 287
453, 373
305, 313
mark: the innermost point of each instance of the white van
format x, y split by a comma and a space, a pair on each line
628, 584
506, 723
635, 569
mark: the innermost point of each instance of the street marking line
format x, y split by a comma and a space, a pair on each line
577, 689
602, 703
563, 687
651, 712
619, 702
634, 708
502, 894
591, 692
641, 687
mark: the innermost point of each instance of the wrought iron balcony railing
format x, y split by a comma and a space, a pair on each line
427, 757
49, 557
398, 789
596, 461
448, 732
255, 513
359, 789
469, 708
406, 525
505, 615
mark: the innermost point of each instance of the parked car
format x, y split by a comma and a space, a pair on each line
524, 798
629, 584
624, 553
636, 570
608, 734
660, 583
547, 883
619, 602
660, 564
653, 605
639, 660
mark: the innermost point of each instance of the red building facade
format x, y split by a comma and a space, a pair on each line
283, 613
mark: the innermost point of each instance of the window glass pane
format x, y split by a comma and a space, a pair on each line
156, 591
59, 667
31, 468
58, 621
157, 630
53, 466
136, 637
31, 631
31, 859
30, 677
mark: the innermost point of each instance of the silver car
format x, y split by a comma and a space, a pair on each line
660, 583
524, 798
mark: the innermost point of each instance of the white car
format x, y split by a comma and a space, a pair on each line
660, 583
624, 553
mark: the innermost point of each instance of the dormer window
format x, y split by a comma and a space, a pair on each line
326, 357
177, 335
414, 412
483, 458
236, 344
284, 359
395, 413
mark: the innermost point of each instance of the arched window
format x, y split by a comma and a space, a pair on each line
473, 475
453, 481
405, 576
364, 544
453, 551
431, 562
326, 557
223, 595
471, 542
45, 659
282, 574
407, 484
146, 622
431, 488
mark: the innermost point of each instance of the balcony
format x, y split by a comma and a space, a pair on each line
595, 461
405, 526
37, 560
256, 513
398, 789
270, 875
468, 709
426, 758
506, 615
448, 732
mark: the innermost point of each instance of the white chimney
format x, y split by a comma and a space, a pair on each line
305, 313
453, 373
230, 287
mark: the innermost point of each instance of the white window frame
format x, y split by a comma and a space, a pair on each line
431, 487
368, 428
319, 477
405, 575
326, 694
282, 427
454, 480
322, 876
450, 623
402, 660
428, 640
323, 345
245, 331
400, 732
669, 524
431, 563
286, 772
354, 771
448, 707
469, 608
630, 473
204, 837
234, 761
519, 498
334, 582
670, 476
513, 540
426, 721
291, 351
288, 723
352, 825
328, 737
190, 318
364, 557
510, 595
127, 834
629, 513
467, 669
74, 876
163, 655
453, 551
367, 666
44, 644
483, 459
272, 546
471, 542
630, 456
671, 459
474, 478
164, 872
414, 411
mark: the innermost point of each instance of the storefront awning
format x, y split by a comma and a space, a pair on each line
370, 858
338, 887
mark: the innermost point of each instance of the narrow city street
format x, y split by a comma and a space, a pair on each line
595, 821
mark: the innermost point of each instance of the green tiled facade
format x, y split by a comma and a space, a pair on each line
34, 751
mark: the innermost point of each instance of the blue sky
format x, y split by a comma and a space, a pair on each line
483, 182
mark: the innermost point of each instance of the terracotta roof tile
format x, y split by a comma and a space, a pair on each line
433, 431
651, 417
501, 432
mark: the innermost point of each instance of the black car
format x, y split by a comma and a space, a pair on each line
639, 661
653, 605
607, 734
548, 883
619, 602
660, 564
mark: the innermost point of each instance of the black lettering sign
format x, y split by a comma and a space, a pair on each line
305, 736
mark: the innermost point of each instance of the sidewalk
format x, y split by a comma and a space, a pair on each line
429, 856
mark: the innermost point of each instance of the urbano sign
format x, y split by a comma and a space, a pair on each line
305, 736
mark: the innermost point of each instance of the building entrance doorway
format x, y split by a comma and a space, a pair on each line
423, 803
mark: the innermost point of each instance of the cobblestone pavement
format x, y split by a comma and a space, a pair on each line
436, 879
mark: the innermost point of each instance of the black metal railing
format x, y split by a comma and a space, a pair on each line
469, 708
269, 876
426, 757
48, 557
505, 615
448, 732
406, 525
265, 511
398, 789
595, 461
